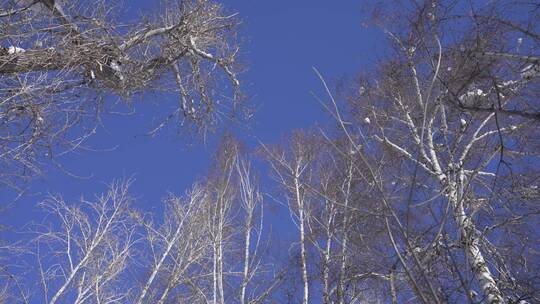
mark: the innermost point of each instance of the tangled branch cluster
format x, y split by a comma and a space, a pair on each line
61, 61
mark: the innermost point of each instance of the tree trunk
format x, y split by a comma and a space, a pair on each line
476, 259
326, 261
246, 256
303, 258
393, 291
471, 246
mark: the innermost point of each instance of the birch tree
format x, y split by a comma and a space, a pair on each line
222, 197
293, 171
344, 229
203, 247
298, 171
84, 258
251, 202
176, 250
442, 107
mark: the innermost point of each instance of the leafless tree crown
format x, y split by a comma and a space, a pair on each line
61, 63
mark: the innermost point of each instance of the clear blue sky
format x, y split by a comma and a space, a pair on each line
282, 41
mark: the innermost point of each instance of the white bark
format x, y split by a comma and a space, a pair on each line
326, 262
247, 244
95, 242
301, 222
393, 292
341, 283
214, 277
158, 267
345, 238
91, 261
220, 273
224, 198
463, 221
477, 262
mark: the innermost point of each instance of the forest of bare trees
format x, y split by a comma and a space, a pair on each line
424, 188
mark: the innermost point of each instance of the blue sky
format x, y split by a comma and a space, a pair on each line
282, 41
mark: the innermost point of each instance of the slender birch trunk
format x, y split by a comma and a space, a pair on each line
471, 246
344, 242
326, 264
100, 235
157, 267
165, 293
303, 255
393, 291
214, 275
217, 273
247, 236
475, 257
220, 272
341, 283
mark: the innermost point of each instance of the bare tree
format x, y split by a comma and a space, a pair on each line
207, 247
293, 171
61, 63
86, 255
222, 196
341, 235
441, 106
342, 227
252, 205
204, 247
428, 193
175, 248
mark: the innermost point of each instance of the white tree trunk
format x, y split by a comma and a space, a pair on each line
247, 236
214, 276
476, 259
326, 259
220, 272
157, 267
303, 255
471, 246
341, 283
393, 291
